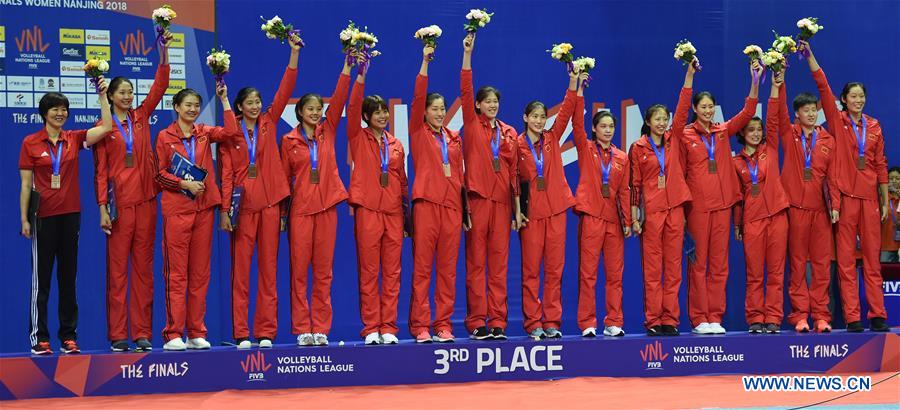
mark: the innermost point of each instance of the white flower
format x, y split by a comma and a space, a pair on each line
804, 23
263, 27
346, 35
210, 60
271, 36
103, 66
679, 53
437, 30
481, 23
275, 19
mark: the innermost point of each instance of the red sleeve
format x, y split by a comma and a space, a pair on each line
157, 90
336, 104
737, 212
228, 133
784, 119
563, 116
681, 113
737, 123
417, 108
834, 193
25, 161
227, 174
404, 181
286, 163
637, 179
880, 160
467, 94
514, 167
829, 103
578, 132
77, 137
101, 173
164, 178
354, 111
772, 123
285, 89
625, 194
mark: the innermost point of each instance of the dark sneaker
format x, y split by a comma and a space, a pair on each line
498, 334
42, 348
669, 330
69, 347
878, 324
553, 333
119, 346
772, 328
654, 331
480, 333
756, 328
855, 327
142, 345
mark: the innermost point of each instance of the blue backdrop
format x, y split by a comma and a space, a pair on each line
632, 41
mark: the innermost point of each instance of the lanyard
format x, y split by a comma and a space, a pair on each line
191, 149
710, 146
56, 160
660, 156
442, 140
385, 153
129, 136
807, 155
860, 138
605, 168
313, 148
495, 144
538, 162
754, 171
251, 142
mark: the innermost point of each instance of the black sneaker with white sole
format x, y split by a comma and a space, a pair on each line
481, 333
669, 330
42, 348
773, 328
142, 345
878, 324
756, 328
119, 346
655, 331
497, 333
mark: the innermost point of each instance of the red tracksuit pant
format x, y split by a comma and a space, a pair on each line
596, 235
187, 246
860, 217
711, 232
662, 240
437, 231
543, 239
261, 229
487, 253
810, 238
133, 235
312, 240
379, 242
765, 246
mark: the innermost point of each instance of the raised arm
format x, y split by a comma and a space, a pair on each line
157, 90
829, 103
337, 100
773, 112
578, 131
101, 130
288, 82
784, 117
354, 108
737, 123
565, 110
466, 85
417, 109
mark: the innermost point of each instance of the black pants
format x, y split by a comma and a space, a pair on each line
54, 239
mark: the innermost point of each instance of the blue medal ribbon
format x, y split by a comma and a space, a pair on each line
313, 149
605, 168
56, 160
538, 162
385, 153
442, 140
807, 154
754, 171
710, 146
495, 144
191, 149
860, 137
251, 142
129, 136
660, 156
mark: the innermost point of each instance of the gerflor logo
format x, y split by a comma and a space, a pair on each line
134, 44
255, 366
653, 355
31, 41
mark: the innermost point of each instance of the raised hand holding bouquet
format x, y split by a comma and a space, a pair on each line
563, 52
275, 29
219, 63
355, 42
774, 60
162, 18
808, 28
754, 53
584, 65
95, 68
685, 52
784, 44
429, 36
477, 19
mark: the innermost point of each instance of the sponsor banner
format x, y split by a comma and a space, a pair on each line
2, 83
166, 103
19, 100
2, 33
71, 68
177, 40
892, 297
19, 83
176, 56
143, 86
93, 101
73, 52
98, 37
72, 85
2, 100
2, 50
410, 363
176, 86
76, 100
177, 71
100, 52
71, 36
46, 84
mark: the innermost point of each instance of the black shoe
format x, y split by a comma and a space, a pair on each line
119, 346
497, 333
772, 328
757, 328
480, 333
878, 324
669, 330
855, 327
142, 345
655, 331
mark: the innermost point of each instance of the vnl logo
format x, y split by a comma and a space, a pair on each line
134, 44
31, 41
652, 354
255, 366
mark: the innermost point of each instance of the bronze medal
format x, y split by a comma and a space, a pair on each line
384, 179
496, 164
661, 182
314, 176
807, 174
129, 160
540, 183
446, 170
754, 190
861, 162
604, 189
54, 182
251, 171
712, 166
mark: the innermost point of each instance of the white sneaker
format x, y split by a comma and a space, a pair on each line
589, 332
265, 344
175, 344
373, 338
320, 339
702, 329
305, 339
613, 331
716, 328
389, 339
244, 344
198, 343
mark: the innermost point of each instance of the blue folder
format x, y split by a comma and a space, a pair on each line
183, 168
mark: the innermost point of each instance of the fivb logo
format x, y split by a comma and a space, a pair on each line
653, 355
31, 41
134, 44
255, 366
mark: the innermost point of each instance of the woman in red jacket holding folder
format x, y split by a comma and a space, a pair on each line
124, 172
603, 202
438, 209
861, 177
761, 220
714, 190
380, 200
255, 168
188, 215
544, 235
492, 170
659, 194
308, 156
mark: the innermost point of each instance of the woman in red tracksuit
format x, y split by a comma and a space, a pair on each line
438, 209
714, 190
309, 161
380, 200
492, 165
255, 167
760, 220
603, 201
124, 172
544, 235
861, 178
659, 194
188, 220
